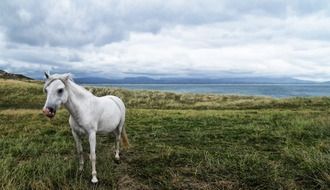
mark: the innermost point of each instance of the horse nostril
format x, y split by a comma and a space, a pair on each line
52, 110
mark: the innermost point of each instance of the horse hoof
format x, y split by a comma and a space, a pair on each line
94, 180
117, 161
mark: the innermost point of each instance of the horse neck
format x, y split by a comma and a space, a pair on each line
78, 99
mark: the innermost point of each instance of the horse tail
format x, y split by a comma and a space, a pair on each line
124, 138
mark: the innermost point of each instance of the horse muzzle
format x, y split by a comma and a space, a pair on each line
49, 112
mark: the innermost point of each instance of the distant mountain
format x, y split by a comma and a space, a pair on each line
5, 75
132, 80
147, 80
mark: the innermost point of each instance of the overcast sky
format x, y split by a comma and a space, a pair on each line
172, 38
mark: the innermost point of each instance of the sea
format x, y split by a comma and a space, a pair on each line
270, 90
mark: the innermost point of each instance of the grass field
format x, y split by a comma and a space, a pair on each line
178, 141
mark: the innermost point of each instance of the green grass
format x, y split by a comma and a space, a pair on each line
178, 141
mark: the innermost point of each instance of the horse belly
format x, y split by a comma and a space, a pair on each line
107, 126
109, 120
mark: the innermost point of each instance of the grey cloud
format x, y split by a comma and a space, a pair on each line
77, 23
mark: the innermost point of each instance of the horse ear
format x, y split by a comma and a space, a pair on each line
67, 77
46, 74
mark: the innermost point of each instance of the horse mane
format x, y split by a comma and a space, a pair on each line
63, 77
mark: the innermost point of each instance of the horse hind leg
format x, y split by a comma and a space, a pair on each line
117, 144
118, 132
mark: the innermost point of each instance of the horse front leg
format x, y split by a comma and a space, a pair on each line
79, 150
92, 143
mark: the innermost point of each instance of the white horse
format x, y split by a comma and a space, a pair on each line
88, 114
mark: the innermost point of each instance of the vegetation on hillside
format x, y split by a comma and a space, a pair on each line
6, 75
29, 94
178, 141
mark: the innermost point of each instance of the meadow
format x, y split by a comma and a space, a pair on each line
178, 141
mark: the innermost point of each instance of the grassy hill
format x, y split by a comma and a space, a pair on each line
179, 141
6, 75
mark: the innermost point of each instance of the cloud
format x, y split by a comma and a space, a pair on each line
76, 23
172, 38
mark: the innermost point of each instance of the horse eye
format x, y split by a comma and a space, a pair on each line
60, 91
46, 91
